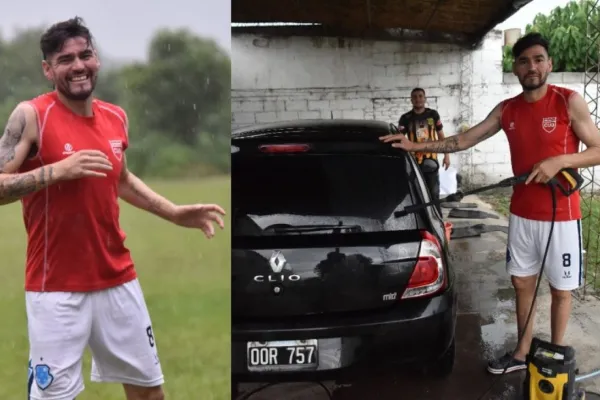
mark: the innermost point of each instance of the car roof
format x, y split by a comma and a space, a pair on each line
315, 128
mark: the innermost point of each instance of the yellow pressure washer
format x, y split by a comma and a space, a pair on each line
551, 372
552, 375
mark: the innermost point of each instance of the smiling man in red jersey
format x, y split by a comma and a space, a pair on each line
63, 155
544, 125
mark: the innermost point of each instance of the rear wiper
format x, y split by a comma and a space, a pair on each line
318, 228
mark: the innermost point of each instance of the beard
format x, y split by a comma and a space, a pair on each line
80, 94
530, 86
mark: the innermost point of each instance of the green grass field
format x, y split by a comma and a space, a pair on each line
590, 209
186, 281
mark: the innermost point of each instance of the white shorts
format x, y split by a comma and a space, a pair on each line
527, 240
114, 323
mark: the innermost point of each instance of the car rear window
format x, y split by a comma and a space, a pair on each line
276, 194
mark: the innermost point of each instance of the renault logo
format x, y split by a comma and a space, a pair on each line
277, 262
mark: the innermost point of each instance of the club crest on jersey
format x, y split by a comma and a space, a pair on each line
117, 148
549, 124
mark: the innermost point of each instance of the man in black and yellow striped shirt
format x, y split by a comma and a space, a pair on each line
422, 124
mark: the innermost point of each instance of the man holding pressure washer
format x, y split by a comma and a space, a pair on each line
544, 125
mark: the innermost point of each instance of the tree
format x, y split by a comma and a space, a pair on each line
186, 80
21, 67
180, 102
566, 29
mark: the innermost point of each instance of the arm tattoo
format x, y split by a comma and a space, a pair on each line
11, 137
137, 193
451, 144
15, 186
448, 145
488, 135
154, 205
134, 191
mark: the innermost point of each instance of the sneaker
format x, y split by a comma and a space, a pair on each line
506, 362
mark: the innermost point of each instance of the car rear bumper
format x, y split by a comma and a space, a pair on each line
415, 333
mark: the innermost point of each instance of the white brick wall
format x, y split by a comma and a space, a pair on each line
304, 78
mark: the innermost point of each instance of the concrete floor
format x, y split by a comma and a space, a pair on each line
486, 327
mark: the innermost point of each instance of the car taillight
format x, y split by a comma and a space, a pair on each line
284, 148
429, 276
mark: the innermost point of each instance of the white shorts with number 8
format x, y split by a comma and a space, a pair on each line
527, 241
114, 323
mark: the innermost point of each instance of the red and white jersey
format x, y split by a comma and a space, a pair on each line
74, 241
537, 131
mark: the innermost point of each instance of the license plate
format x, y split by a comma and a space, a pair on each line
283, 355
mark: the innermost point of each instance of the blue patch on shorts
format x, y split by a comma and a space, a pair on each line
43, 377
508, 257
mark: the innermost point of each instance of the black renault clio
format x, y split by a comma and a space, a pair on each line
327, 276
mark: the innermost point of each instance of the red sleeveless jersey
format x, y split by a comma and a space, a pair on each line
537, 131
74, 242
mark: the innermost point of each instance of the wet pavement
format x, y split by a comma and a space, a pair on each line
486, 327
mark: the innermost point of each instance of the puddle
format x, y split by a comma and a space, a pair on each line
499, 326
500, 335
463, 246
506, 295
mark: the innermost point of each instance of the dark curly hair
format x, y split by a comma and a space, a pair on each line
54, 38
527, 41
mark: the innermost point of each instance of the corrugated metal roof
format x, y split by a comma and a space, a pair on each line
461, 21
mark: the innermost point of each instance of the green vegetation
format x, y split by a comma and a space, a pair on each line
566, 29
590, 208
185, 279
